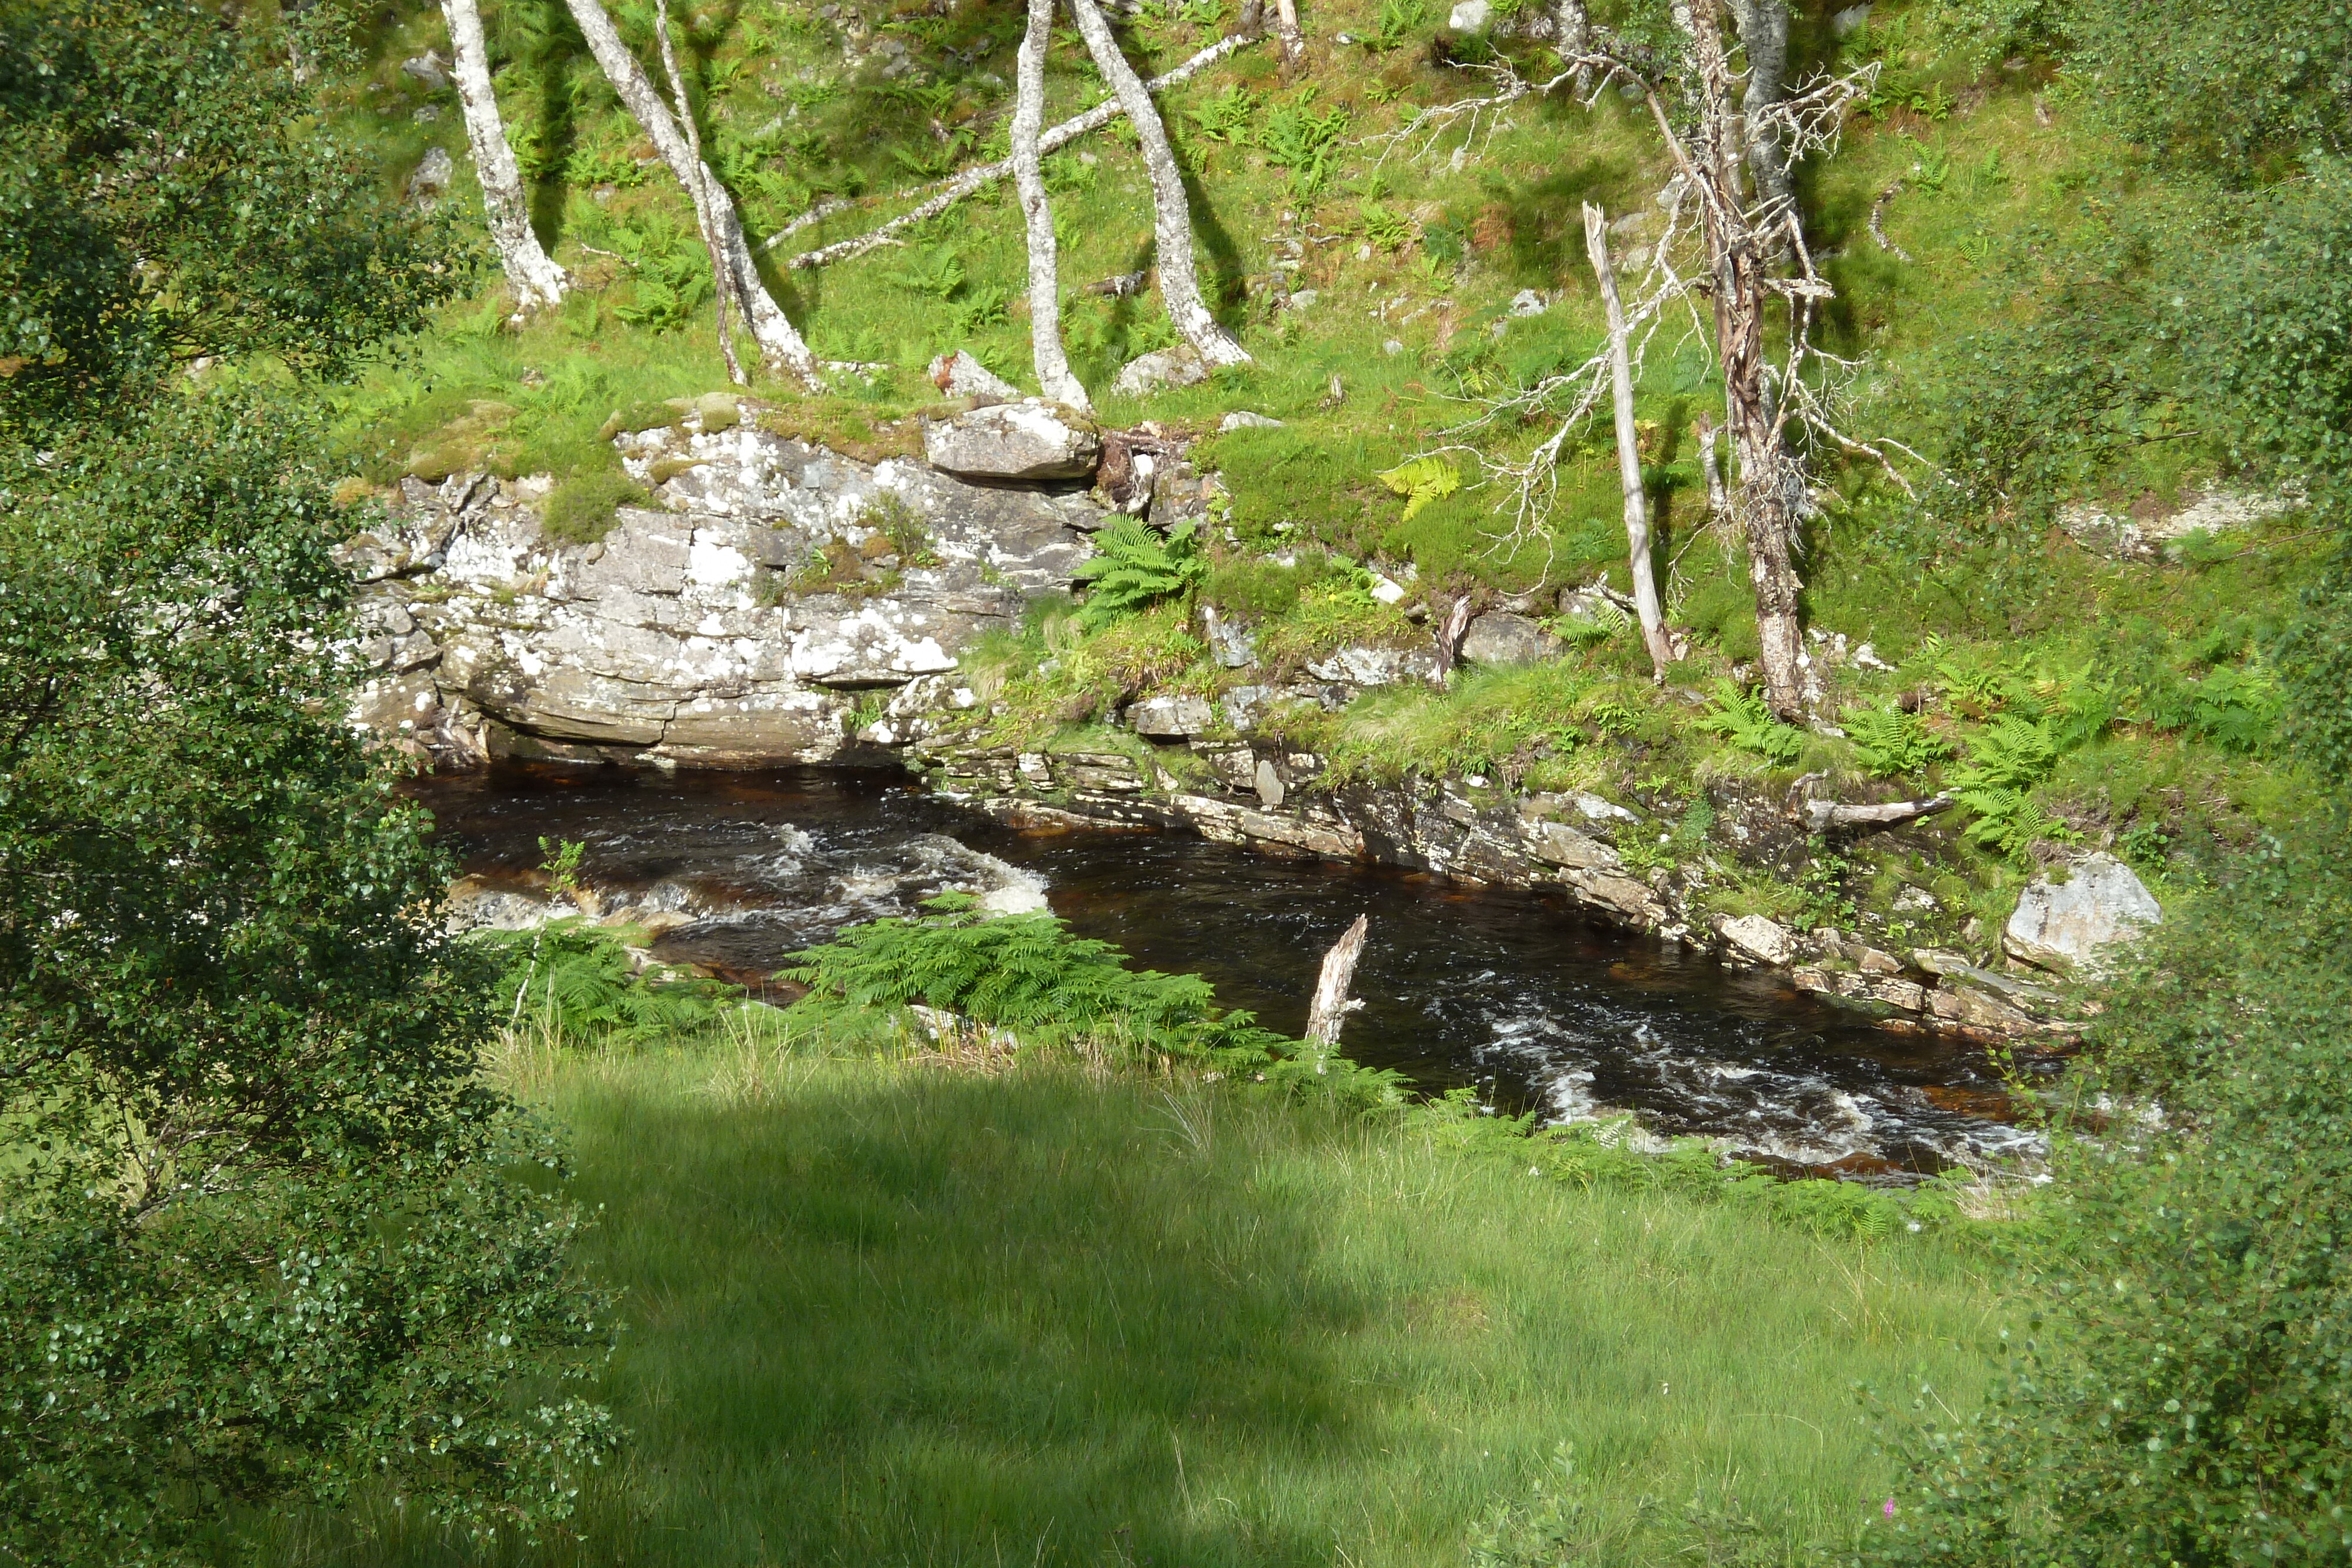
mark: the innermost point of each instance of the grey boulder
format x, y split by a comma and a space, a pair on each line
2067, 925
1171, 718
1500, 638
1030, 441
1177, 366
960, 375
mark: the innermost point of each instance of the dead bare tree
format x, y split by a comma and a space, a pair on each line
1180, 286
1629, 450
780, 342
722, 283
1053, 366
532, 273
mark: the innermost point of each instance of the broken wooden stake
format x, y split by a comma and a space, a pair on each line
1332, 1002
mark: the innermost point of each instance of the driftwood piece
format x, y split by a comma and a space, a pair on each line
1332, 1002
1823, 815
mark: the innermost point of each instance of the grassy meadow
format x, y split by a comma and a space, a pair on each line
882, 1310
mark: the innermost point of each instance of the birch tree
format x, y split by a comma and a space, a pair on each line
1628, 449
722, 283
1180, 286
1054, 375
533, 274
779, 342
1764, 36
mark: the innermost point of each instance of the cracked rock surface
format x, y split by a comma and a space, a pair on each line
735, 621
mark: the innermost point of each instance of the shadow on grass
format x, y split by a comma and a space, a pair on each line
954, 1320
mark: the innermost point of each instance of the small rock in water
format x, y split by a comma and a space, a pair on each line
1763, 940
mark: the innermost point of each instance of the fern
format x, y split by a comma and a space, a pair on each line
1132, 568
2005, 763
1026, 972
1741, 717
1893, 743
1421, 480
578, 982
1226, 116
936, 270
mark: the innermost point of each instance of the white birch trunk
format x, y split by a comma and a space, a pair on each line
779, 342
1293, 41
1180, 286
722, 287
1764, 33
1054, 376
1629, 450
533, 274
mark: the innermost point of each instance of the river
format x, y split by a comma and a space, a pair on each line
1515, 993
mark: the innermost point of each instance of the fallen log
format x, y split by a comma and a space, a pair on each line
1822, 815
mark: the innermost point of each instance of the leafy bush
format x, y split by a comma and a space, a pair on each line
1132, 566
2186, 1393
1740, 717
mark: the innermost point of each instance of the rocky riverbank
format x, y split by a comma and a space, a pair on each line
779, 602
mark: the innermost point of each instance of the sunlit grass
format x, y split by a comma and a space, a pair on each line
882, 1312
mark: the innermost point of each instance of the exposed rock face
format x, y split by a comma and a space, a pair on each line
1501, 638
1022, 441
1753, 937
732, 624
2146, 532
2065, 925
1172, 718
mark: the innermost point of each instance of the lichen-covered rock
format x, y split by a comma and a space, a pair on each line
1171, 718
1177, 366
1753, 937
730, 624
1365, 666
1500, 638
2066, 925
1032, 440
960, 375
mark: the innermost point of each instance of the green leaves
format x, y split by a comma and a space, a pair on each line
1422, 480
1133, 567
1740, 717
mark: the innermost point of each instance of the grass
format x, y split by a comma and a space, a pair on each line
886, 1312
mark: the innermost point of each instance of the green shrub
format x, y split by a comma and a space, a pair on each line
2182, 1392
1893, 744
581, 509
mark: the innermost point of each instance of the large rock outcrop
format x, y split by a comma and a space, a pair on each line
734, 621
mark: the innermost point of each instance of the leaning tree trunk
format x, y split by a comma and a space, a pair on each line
1286, 32
1770, 481
1180, 287
1629, 450
536, 279
1764, 33
1054, 375
778, 340
723, 285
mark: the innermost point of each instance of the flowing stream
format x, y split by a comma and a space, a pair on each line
1515, 993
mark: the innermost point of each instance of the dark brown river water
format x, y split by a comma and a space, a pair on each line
1515, 993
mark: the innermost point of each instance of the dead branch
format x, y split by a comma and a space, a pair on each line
1878, 221
1822, 815
955, 188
